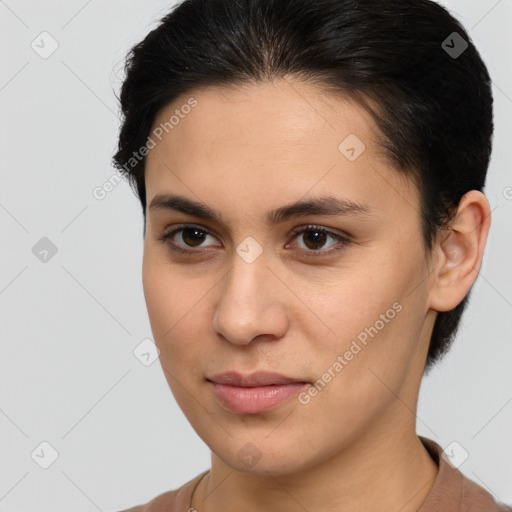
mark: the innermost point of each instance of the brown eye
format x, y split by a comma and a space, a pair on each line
314, 239
192, 236
186, 237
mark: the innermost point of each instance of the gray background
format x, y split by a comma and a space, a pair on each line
70, 325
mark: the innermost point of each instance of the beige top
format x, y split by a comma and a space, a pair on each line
451, 492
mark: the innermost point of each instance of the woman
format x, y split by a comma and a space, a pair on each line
311, 175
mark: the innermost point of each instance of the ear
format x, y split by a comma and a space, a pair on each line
460, 250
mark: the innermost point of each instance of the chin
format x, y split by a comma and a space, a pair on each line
260, 456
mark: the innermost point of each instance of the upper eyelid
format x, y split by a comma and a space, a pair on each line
295, 231
182, 227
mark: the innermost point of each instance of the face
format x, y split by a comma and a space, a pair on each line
334, 297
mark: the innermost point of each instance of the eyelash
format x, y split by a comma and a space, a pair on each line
345, 241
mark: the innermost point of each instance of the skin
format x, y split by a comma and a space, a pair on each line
244, 152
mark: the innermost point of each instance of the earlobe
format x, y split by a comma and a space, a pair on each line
461, 250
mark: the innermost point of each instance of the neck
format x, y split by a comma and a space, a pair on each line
388, 473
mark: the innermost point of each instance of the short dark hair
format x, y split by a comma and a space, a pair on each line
399, 59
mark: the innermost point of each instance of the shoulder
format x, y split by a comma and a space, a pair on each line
175, 500
476, 498
452, 490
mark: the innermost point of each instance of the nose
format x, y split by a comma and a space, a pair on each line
251, 303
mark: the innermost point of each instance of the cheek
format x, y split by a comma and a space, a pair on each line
160, 295
376, 319
175, 307
354, 299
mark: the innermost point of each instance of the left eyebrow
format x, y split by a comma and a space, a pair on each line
331, 206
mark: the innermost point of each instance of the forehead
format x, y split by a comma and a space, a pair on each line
279, 114
284, 138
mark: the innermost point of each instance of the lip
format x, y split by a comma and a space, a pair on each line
255, 393
255, 379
